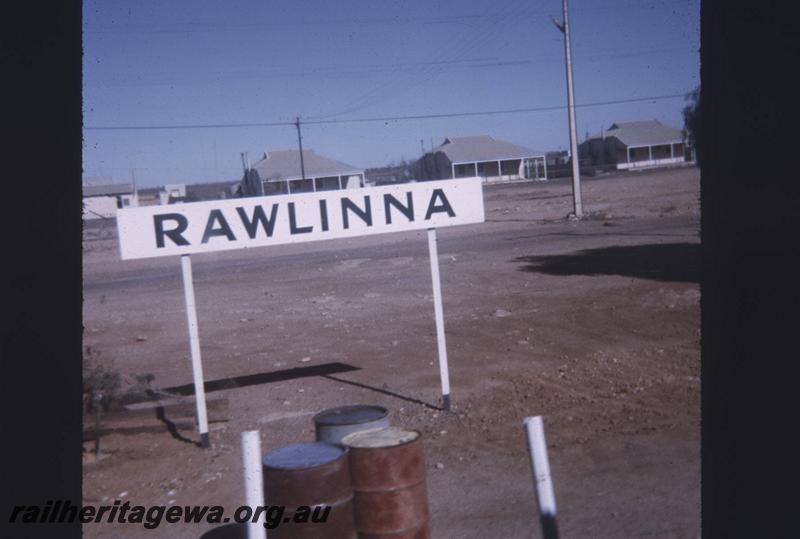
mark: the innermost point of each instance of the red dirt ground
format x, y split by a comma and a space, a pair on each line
595, 325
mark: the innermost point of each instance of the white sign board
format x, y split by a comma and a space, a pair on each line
218, 225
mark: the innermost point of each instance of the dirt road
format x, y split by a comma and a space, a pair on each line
593, 324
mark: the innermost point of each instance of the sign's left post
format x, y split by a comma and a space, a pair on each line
194, 343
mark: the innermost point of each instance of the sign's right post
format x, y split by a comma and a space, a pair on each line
439, 313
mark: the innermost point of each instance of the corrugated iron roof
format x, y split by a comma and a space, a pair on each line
285, 165
482, 148
642, 133
107, 190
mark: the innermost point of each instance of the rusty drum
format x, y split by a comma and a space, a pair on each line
334, 424
387, 471
314, 475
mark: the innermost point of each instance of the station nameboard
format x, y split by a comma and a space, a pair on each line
199, 227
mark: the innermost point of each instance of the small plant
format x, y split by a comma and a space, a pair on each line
103, 387
143, 381
100, 385
140, 388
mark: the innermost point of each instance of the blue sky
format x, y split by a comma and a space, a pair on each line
156, 63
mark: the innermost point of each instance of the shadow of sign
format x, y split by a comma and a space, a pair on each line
671, 262
385, 392
326, 370
265, 378
174, 417
172, 428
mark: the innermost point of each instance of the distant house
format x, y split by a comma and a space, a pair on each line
557, 158
280, 172
559, 164
211, 190
102, 201
633, 145
172, 193
390, 175
492, 159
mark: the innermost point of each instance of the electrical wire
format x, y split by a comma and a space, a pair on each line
385, 118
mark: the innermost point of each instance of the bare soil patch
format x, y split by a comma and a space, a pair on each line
594, 325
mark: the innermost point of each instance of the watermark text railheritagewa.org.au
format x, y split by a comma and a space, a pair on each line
151, 517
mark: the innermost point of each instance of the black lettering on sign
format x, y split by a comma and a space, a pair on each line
407, 210
293, 228
259, 217
323, 214
365, 214
215, 216
175, 234
444, 206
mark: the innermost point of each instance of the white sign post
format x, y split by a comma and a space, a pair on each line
543, 482
253, 481
219, 225
444, 372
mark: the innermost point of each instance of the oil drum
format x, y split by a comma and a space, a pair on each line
334, 424
387, 471
315, 475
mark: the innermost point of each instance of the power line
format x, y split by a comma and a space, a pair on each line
186, 126
492, 112
385, 118
465, 42
203, 26
397, 70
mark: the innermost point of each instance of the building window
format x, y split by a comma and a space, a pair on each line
661, 151
464, 170
488, 169
301, 186
274, 188
327, 184
510, 167
640, 154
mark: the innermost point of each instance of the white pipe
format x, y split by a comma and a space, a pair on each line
541, 467
439, 313
194, 342
253, 481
